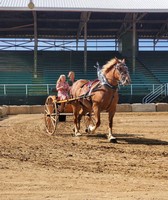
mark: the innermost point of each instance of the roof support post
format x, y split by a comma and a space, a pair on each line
85, 47
134, 42
35, 43
84, 18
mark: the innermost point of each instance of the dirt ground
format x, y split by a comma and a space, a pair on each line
35, 166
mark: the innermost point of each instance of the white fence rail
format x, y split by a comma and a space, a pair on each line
157, 92
47, 89
26, 89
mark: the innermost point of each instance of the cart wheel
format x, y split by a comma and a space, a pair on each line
89, 119
51, 115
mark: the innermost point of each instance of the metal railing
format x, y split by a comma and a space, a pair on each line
26, 89
157, 92
47, 89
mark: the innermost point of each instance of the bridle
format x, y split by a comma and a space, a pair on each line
123, 70
103, 80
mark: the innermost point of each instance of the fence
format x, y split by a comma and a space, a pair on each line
47, 89
161, 90
26, 89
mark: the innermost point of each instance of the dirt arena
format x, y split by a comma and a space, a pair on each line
35, 166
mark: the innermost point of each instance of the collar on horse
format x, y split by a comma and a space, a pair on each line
104, 81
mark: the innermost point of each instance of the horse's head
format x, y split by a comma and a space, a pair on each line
122, 73
116, 72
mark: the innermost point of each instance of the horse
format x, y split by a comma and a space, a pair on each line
99, 95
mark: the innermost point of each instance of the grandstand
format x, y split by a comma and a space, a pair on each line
29, 69
17, 67
16, 71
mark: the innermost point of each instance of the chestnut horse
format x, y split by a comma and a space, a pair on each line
99, 95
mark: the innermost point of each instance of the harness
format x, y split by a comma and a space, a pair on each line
89, 88
104, 81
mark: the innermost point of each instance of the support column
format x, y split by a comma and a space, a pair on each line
35, 43
85, 47
128, 46
134, 46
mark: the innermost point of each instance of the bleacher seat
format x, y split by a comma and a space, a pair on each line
16, 67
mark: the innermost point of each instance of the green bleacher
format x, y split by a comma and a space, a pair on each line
17, 68
157, 64
52, 64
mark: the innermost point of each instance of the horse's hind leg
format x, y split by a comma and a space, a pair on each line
82, 113
88, 120
77, 119
76, 129
92, 128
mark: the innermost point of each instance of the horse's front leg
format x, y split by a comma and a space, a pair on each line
111, 138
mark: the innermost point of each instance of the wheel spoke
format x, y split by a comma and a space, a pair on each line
50, 115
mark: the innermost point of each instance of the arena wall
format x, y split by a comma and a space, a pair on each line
37, 109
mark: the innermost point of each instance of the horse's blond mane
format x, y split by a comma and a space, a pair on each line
109, 64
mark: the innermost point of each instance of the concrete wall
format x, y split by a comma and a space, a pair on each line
24, 109
37, 109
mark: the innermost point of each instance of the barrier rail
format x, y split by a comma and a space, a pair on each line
47, 89
160, 90
26, 89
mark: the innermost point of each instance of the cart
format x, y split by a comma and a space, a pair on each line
52, 116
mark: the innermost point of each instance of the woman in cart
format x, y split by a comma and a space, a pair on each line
63, 90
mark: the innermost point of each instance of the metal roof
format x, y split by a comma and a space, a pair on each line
65, 19
88, 5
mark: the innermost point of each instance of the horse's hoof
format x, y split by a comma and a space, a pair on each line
112, 140
91, 129
78, 134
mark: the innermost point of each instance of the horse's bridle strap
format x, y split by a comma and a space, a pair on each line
113, 87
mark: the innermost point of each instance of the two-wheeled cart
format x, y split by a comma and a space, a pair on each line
52, 115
